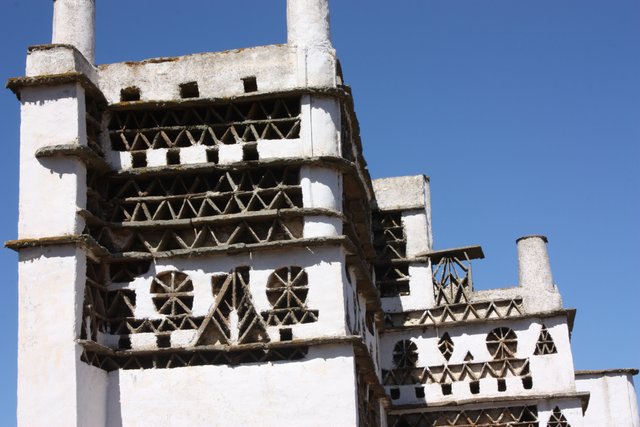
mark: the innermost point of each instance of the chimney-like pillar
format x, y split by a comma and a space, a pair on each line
74, 23
308, 23
533, 263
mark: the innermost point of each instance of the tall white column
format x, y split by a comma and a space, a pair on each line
74, 23
534, 268
308, 23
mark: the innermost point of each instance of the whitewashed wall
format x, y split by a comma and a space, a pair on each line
613, 401
550, 373
314, 392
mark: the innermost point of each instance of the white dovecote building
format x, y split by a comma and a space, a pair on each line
213, 252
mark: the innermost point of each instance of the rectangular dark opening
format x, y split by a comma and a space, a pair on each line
419, 392
395, 393
286, 334
189, 90
250, 152
129, 94
163, 341
212, 155
139, 159
173, 157
446, 389
502, 385
124, 343
474, 387
527, 383
250, 84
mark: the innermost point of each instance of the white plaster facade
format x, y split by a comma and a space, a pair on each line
214, 252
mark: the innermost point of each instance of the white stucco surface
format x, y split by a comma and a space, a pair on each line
51, 384
551, 373
251, 395
325, 271
402, 192
613, 401
74, 23
59, 184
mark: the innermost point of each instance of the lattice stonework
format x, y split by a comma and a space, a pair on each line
496, 309
93, 120
179, 359
172, 293
190, 195
189, 210
389, 239
390, 244
445, 345
94, 314
502, 343
522, 416
447, 374
452, 280
232, 319
208, 125
405, 354
392, 280
557, 419
287, 290
368, 408
545, 344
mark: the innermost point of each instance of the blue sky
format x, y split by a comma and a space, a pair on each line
525, 114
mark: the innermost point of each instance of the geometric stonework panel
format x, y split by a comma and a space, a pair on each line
232, 318
189, 194
523, 416
287, 290
545, 344
190, 237
445, 345
368, 409
405, 354
185, 210
502, 343
94, 316
389, 239
390, 244
93, 116
125, 272
172, 293
392, 279
557, 419
209, 125
447, 374
179, 359
452, 280
495, 309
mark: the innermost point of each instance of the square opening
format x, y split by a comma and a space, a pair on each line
446, 389
395, 393
189, 90
286, 334
527, 383
474, 387
502, 385
419, 392
139, 159
124, 343
212, 155
173, 157
130, 94
250, 152
163, 341
250, 84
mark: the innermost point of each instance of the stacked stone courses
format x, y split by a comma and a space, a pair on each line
216, 253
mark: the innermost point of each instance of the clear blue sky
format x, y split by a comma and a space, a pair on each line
525, 114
